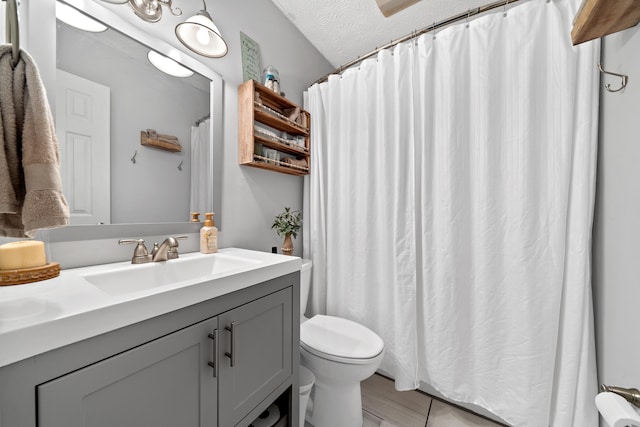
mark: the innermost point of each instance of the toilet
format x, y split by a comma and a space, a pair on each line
340, 353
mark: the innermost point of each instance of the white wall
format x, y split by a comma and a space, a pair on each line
250, 197
616, 245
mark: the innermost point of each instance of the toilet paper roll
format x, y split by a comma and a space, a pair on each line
616, 411
268, 418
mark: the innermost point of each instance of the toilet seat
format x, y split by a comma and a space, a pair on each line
340, 340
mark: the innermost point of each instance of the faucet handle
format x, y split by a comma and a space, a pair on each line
173, 241
140, 253
173, 246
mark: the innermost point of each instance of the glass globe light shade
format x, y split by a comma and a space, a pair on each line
201, 35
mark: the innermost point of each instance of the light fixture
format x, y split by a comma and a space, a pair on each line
197, 33
77, 19
168, 65
151, 10
201, 35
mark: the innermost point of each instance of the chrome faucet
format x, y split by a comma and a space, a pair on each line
167, 249
163, 252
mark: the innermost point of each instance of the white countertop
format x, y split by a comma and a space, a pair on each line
41, 316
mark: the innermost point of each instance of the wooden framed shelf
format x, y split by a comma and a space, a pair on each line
276, 145
598, 18
273, 118
278, 166
150, 142
259, 105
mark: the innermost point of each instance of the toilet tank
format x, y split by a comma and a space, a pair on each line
305, 285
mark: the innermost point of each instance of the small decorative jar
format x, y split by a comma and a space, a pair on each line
271, 78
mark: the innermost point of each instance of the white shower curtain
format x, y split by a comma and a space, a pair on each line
451, 199
201, 170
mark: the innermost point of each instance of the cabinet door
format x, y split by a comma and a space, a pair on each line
167, 382
256, 340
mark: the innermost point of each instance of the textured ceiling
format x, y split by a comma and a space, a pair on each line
342, 30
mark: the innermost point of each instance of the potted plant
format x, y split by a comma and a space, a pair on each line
287, 224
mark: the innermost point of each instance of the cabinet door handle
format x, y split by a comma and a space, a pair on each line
214, 364
232, 354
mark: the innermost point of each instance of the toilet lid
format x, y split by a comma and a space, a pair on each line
340, 337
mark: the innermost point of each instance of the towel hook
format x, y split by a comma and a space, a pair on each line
13, 30
180, 165
133, 159
625, 79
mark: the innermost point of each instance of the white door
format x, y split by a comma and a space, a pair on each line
83, 130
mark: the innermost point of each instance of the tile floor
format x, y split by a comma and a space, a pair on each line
383, 406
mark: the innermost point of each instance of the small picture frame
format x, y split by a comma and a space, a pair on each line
250, 58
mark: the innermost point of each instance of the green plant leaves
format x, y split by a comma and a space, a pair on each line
288, 222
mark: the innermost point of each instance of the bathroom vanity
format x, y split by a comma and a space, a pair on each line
215, 346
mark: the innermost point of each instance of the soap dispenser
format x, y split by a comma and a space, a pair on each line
208, 235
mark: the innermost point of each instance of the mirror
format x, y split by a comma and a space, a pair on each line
108, 77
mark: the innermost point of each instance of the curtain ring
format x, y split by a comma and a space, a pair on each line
506, 3
434, 30
467, 19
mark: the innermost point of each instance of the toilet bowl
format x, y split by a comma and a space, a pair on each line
340, 353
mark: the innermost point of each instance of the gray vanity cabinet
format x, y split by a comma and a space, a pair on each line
157, 372
166, 382
258, 359
170, 381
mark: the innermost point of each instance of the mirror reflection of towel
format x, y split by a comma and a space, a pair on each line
30, 186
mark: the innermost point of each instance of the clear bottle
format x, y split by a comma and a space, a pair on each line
208, 235
271, 78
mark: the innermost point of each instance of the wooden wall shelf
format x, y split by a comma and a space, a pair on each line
598, 18
271, 111
150, 142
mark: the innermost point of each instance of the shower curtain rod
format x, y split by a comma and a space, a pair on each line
414, 34
201, 119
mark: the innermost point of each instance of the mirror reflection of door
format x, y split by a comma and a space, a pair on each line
82, 128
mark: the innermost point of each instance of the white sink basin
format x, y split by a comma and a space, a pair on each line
125, 279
